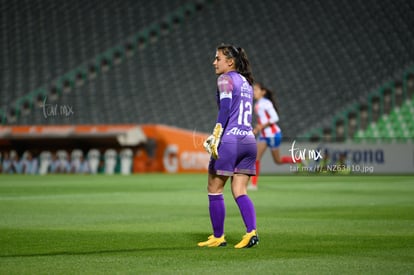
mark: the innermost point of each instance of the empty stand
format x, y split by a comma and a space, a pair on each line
42, 40
318, 56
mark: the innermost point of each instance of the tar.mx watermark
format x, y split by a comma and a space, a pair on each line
56, 110
304, 154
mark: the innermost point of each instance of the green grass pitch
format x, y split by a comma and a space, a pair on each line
150, 224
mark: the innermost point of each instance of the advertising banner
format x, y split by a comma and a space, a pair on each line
176, 150
352, 158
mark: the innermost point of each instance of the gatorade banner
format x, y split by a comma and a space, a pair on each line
175, 150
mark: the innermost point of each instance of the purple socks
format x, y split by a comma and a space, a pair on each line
217, 213
247, 211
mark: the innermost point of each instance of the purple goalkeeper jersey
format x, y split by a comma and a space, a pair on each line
235, 101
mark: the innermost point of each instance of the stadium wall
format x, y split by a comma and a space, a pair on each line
166, 149
153, 147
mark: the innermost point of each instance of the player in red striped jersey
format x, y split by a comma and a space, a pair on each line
270, 135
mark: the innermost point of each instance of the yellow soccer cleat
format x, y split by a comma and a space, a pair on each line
214, 242
249, 239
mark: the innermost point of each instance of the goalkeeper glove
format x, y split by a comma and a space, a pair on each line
211, 144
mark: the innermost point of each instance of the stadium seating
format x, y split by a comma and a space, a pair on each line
45, 161
318, 56
65, 161
388, 116
110, 161
126, 161
45, 39
93, 159
398, 125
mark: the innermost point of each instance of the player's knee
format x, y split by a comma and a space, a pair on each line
214, 188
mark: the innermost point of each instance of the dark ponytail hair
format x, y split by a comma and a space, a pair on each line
241, 61
269, 95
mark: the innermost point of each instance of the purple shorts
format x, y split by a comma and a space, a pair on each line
234, 158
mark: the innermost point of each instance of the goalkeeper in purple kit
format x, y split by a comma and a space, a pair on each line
232, 145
